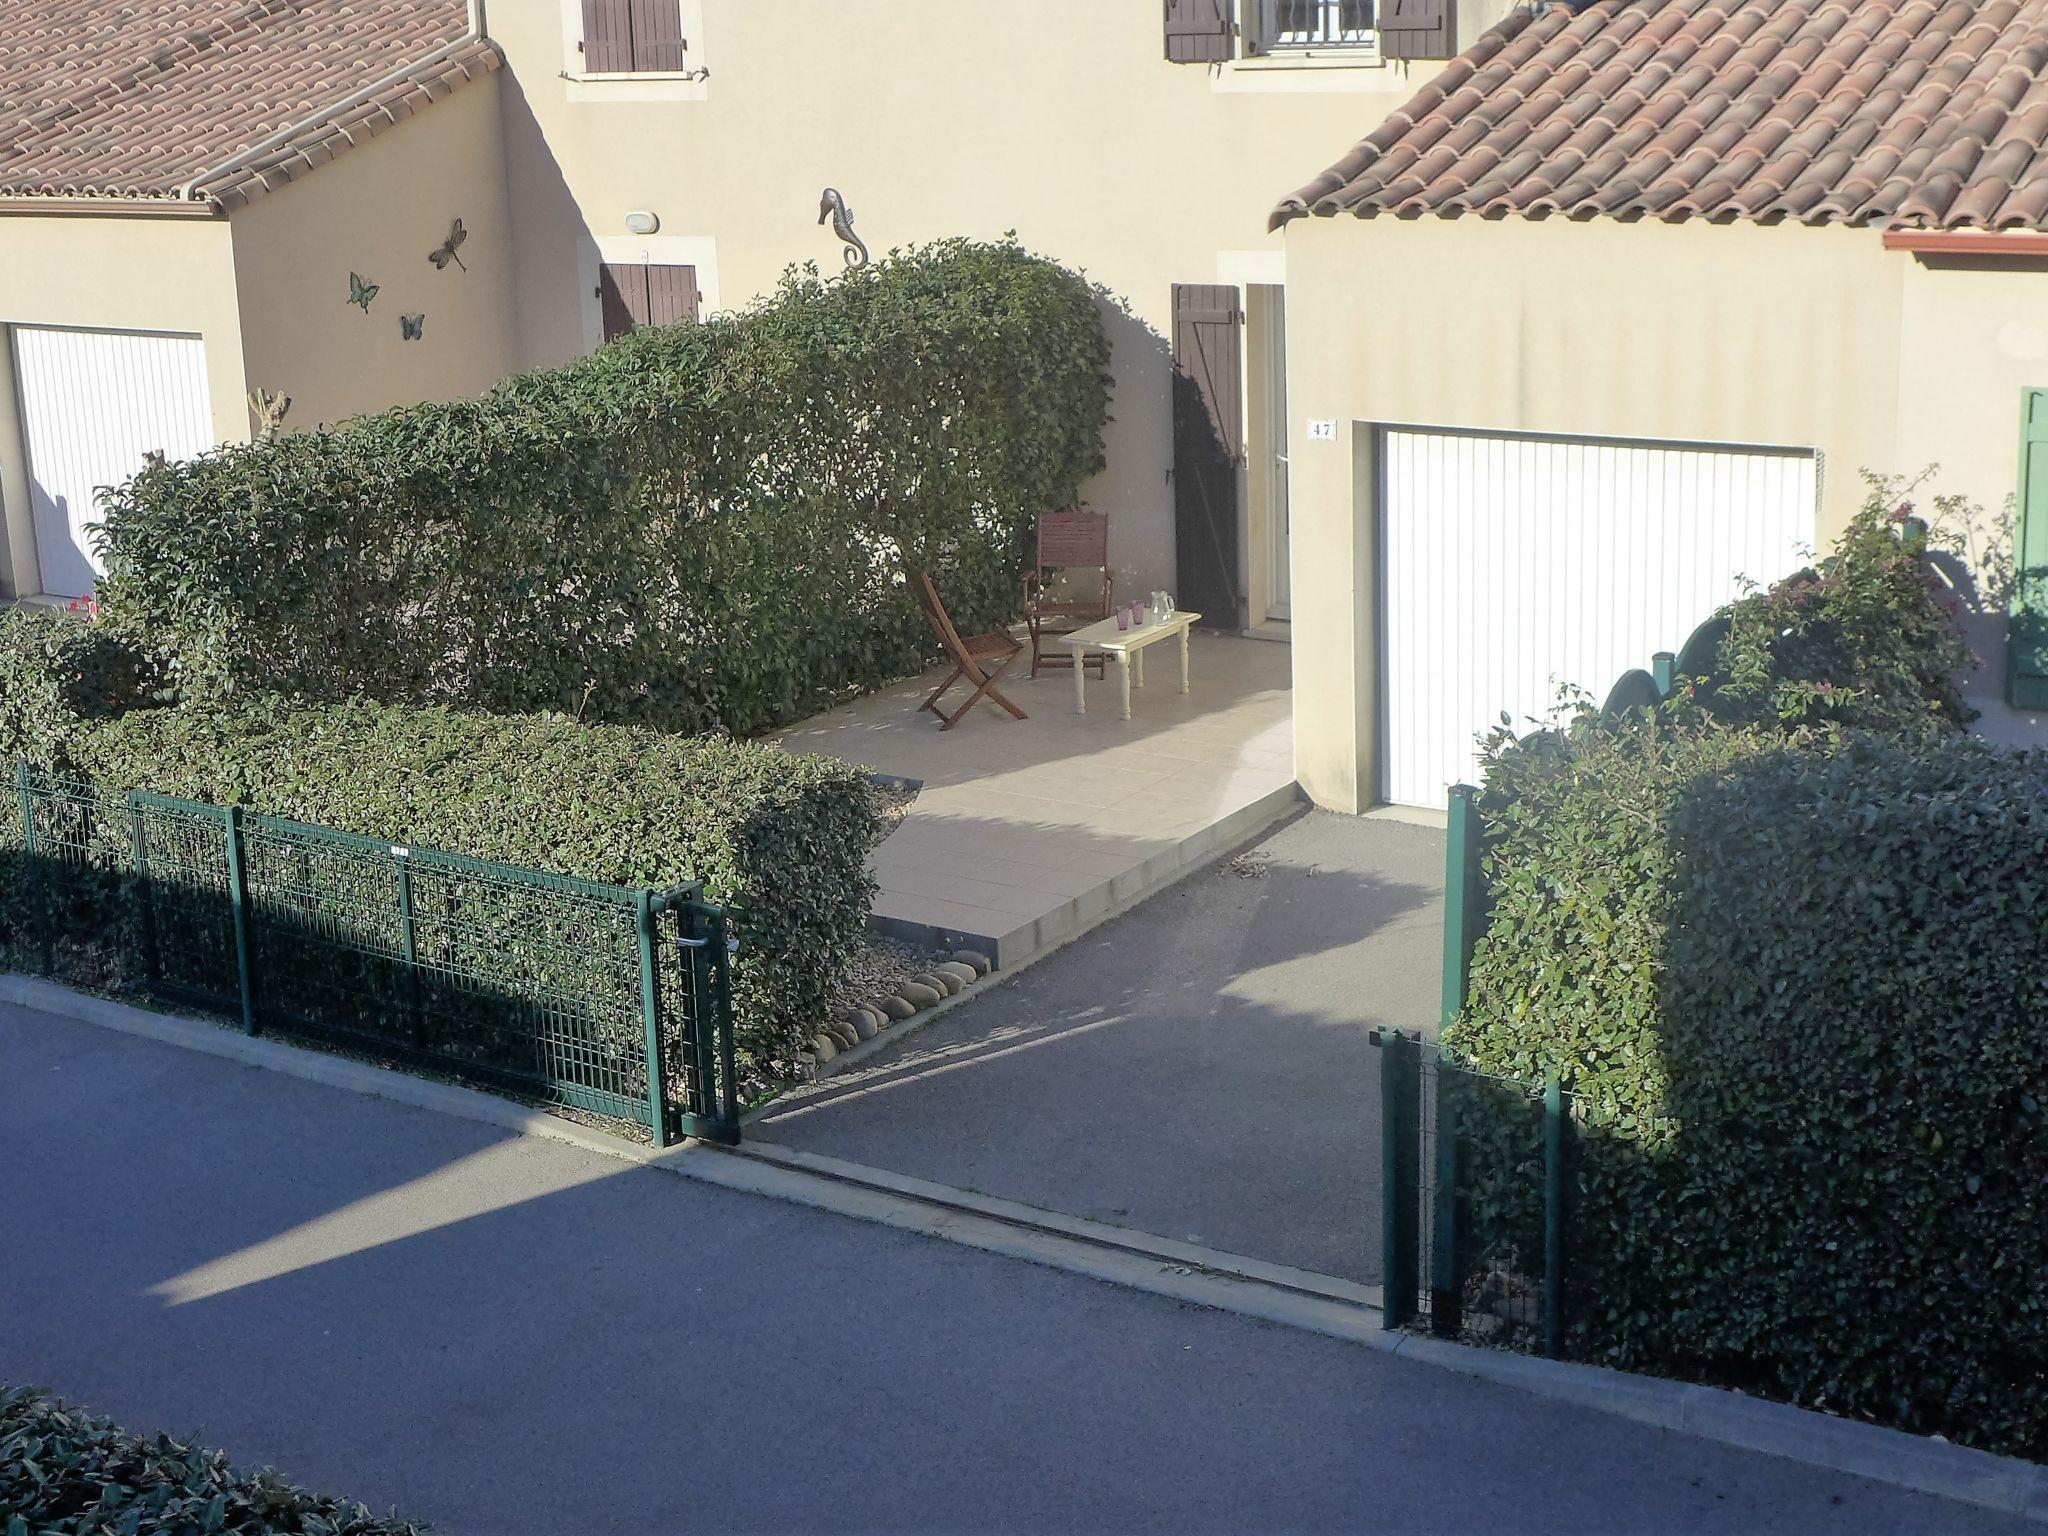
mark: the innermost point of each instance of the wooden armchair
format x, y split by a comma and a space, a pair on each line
1075, 545
980, 659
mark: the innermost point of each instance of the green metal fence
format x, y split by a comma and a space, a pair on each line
1490, 1184
598, 997
1476, 1199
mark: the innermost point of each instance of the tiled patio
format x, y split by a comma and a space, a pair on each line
1026, 831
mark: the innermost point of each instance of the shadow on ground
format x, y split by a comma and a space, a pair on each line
504, 1335
1200, 1068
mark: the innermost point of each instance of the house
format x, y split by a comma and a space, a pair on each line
618, 162
185, 189
1614, 310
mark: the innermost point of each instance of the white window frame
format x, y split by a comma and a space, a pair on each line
1264, 39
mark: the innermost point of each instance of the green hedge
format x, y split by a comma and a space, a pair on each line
1866, 640
63, 1470
1801, 983
698, 526
781, 836
58, 671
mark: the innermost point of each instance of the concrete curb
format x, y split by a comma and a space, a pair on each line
1182, 1272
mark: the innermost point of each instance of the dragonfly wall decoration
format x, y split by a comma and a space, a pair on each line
444, 253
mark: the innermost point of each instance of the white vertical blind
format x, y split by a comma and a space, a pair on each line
92, 404
1513, 565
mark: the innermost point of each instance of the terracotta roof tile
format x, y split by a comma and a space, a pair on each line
135, 98
1922, 113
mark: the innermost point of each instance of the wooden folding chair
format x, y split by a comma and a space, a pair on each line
971, 657
1075, 545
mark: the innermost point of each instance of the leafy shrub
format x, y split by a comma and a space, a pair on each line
782, 837
1801, 984
1868, 640
63, 1470
56, 671
698, 526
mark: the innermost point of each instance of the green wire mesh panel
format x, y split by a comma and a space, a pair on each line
183, 900
67, 854
1497, 1270
507, 976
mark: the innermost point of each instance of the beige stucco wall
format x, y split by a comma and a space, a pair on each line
1060, 119
378, 210
125, 273
1782, 335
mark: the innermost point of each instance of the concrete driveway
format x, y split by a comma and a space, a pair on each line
1199, 1068
506, 1335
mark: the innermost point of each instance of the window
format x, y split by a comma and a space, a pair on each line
1287, 25
633, 37
633, 294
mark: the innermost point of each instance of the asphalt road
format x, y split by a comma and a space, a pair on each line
1199, 1068
505, 1335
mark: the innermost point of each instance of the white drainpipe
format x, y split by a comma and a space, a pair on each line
283, 136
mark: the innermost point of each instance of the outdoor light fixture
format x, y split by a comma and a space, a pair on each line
640, 222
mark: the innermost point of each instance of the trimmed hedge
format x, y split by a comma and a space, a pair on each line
781, 836
63, 1470
1801, 983
58, 671
696, 527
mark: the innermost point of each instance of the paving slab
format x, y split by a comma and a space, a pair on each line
1026, 831
503, 1335
1200, 1067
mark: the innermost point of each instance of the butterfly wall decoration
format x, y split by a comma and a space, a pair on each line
444, 253
360, 292
412, 327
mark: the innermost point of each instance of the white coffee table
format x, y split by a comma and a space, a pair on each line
1128, 646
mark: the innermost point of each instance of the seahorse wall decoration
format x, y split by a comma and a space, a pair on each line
832, 206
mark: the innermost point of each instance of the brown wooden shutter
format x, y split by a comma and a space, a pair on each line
671, 295
1199, 31
657, 35
1415, 29
607, 37
1208, 445
622, 295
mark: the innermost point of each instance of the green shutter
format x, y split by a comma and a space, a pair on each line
2027, 655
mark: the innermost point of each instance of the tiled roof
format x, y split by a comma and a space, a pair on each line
134, 98
1916, 114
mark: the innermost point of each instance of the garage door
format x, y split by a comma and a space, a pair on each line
92, 404
1513, 564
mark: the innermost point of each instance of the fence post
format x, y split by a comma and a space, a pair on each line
1400, 1172
650, 1018
1446, 1278
1464, 897
1553, 1216
32, 868
238, 904
409, 940
152, 963
728, 1063
1664, 668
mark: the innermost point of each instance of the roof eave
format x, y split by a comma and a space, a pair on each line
72, 207
1967, 242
